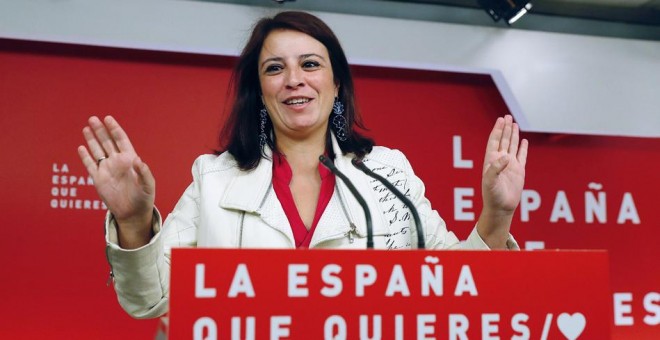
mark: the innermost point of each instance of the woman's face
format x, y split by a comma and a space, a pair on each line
297, 84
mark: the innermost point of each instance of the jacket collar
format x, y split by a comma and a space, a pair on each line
249, 190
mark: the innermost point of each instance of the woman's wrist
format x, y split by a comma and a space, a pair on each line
493, 227
135, 233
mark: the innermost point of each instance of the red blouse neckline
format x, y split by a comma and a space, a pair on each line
282, 175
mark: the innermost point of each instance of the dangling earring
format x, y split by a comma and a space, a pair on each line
339, 121
263, 115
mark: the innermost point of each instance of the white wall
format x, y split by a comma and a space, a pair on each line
552, 82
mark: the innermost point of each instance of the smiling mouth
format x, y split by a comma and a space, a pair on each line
297, 101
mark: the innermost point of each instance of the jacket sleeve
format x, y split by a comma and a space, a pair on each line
436, 234
142, 276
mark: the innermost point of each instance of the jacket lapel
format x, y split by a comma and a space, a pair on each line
251, 191
363, 184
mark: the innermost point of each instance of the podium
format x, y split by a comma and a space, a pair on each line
375, 294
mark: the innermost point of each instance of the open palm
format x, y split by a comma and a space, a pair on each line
122, 180
504, 167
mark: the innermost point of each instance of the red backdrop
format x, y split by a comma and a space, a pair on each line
172, 105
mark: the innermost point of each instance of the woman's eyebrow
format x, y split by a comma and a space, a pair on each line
305, 56
271, 59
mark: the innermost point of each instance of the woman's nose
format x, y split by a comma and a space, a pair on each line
294, 78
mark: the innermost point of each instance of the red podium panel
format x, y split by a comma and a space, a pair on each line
338, 294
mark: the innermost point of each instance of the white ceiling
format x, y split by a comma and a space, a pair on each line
630, 19
632, 11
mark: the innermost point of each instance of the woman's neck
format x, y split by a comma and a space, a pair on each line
302, 156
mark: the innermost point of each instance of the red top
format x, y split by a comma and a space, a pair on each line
281, 179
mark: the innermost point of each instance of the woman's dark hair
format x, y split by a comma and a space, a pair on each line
240, 134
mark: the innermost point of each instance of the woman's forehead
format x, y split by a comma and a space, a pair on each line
290, 43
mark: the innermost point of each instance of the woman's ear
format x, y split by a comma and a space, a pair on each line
337, 90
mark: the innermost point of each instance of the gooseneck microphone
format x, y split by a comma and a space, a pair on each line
418, 224
370, 231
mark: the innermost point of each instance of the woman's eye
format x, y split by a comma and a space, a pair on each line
273, 68
310, 64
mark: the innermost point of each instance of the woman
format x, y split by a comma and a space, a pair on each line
294, 101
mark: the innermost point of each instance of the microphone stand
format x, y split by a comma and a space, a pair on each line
418, 224
370, 232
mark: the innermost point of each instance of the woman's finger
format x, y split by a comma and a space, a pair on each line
95, 149
505, 141
88, 161
103, 136
120, 137
515, 139
495, 135
522, 153
145, 177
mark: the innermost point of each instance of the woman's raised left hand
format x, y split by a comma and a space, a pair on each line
502, 181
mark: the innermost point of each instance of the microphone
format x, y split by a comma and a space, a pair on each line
418, 224
370, 231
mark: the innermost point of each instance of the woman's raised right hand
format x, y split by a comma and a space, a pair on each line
122, 180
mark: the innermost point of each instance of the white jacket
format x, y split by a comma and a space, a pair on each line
226, 207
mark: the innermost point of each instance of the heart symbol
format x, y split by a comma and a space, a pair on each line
571, 325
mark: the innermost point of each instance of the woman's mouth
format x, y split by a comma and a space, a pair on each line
297, 101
